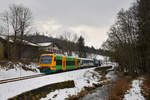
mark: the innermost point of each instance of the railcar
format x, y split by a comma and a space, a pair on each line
84, 62
97, 62
52, 63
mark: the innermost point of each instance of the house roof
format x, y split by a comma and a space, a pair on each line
44, 44
4, 37
29, 43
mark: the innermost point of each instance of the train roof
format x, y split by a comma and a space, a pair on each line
67, 56
85, 58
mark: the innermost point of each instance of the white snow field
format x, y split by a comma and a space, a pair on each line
135, 92
82, 78
17, 71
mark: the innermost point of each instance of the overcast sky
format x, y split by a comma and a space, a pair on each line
90, 18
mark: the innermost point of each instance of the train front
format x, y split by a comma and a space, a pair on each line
46, 63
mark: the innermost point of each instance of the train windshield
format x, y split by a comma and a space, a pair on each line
46, 59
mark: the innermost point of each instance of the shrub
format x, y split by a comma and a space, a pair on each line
118, 89
146, 88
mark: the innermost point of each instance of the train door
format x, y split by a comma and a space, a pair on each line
76, 63
54, 60
63, 63
81, 63
53, 65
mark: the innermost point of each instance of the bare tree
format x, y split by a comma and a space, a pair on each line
6, 22
18, 20
144, 33
68, 36
69, 39
5, 29
121, 45
25, 18
1, 30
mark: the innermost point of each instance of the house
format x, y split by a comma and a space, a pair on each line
49, 47
25, 49
28, 50
1, 47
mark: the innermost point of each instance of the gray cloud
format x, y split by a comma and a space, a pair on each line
89, 16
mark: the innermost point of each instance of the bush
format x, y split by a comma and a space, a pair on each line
146, 88
118, 89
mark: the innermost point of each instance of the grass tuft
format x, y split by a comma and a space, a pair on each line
146, 88
118, 89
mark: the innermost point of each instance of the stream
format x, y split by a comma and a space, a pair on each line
101, 93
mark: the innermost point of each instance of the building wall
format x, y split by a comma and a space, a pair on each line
27, 52
1, 50
30, 52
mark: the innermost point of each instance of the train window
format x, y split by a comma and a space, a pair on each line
78, 62
58, 62
68, 63
46, 59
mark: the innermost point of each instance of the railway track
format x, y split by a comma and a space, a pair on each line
35, 76
20, 78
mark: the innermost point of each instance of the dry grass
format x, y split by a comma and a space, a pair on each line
3, 62
146, 88
11, 64
24, 61
118, 89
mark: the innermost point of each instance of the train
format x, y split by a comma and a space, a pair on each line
49, 63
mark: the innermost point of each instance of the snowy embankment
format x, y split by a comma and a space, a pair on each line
135, 92
12, 70
81, 78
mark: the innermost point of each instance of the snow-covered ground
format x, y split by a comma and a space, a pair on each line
111, 75
82, 78
15, 70
135, 92
95, 56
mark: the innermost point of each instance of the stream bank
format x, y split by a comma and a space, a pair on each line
97, 91
102, 92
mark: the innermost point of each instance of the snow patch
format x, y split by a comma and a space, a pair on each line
111, 75
85, 79
135, 92
11, 70
44, 44
82, 78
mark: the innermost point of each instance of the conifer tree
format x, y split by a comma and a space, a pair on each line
81, 48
